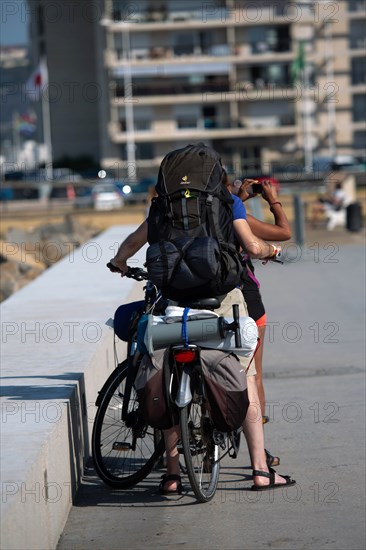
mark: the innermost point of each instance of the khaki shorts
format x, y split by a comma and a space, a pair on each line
226, 310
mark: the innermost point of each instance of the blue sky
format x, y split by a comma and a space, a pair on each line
13, 22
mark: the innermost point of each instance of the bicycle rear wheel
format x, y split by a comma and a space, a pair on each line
124, 453
201, 455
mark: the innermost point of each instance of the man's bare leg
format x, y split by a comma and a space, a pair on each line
171, 437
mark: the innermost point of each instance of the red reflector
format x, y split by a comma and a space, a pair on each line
185, 356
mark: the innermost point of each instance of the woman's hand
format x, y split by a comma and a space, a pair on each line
269, 192
243, 192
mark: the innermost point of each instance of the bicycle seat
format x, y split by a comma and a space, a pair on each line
203, 303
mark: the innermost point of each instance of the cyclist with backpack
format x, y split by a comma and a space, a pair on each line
193, 229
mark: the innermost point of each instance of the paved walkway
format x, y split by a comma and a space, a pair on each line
315, 375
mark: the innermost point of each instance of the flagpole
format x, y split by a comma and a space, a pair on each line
46, 119
131, 154
16, 137
330, 79
308, 145
300, 72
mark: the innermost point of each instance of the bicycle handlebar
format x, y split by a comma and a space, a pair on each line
136, 273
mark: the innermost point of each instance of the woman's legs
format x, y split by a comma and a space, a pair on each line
253, 431
258, 368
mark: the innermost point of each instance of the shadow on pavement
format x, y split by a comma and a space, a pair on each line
93, 492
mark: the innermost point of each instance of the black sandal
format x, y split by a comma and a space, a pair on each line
272, 484
271, 460
171, 477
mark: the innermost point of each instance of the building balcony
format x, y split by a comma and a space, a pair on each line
207, 17
173, 88
359, 125
217, 90
358, 88
244, 92
210, 128
151, 59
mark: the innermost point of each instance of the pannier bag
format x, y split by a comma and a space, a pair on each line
225, 386
123, 316
190, 227
151, 390
226, 389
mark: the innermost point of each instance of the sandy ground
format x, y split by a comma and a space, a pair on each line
29, 216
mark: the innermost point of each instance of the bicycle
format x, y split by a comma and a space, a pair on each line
125, 448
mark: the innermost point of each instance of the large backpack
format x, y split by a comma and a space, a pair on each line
192, 250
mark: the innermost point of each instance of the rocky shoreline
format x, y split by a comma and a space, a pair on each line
25, 255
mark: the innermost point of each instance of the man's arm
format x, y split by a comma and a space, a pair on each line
129, 247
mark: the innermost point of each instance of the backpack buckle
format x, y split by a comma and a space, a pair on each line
209, 200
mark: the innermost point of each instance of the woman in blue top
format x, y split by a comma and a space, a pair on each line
279, 231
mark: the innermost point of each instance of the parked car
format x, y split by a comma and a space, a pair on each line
107, 196
83, 197
138, 192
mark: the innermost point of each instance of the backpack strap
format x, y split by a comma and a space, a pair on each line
184, 326
213, 220
164, 261
185, 219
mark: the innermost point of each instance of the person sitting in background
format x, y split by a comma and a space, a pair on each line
329, 202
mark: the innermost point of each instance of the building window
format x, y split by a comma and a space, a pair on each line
356, 5
359, 108
40, 20
143, 151
359, 70
269, 39
357, 38
359, 141
275, 73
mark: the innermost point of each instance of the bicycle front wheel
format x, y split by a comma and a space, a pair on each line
124, 453
201, 455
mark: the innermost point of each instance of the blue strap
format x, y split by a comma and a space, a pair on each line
184, 326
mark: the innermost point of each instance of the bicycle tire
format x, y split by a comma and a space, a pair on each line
122, 455
201, 455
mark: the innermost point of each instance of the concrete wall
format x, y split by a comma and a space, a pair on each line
56, 353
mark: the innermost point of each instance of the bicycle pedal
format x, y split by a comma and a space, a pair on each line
123, 446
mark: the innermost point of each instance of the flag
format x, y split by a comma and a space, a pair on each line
37, 82
298, 65
26, 124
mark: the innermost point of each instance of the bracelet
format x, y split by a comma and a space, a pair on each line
274, 253
273, 203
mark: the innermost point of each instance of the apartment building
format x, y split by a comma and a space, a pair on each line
223, 72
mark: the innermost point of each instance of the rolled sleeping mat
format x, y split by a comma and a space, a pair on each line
208, 333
